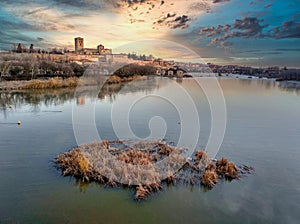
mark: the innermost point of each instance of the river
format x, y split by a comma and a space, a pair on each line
263, 131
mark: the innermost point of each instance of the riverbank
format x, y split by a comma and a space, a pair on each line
51, 83
56, 82
124, 74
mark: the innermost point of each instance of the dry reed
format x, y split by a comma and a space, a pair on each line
74, 163
226, 169
88, 164
51, 83
209, 178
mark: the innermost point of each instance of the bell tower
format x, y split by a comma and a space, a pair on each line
79, 44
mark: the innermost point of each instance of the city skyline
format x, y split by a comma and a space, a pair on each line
254, 33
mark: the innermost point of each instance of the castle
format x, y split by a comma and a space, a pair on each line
79, 48
79, 45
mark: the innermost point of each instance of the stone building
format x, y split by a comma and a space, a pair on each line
79, 44
102, 50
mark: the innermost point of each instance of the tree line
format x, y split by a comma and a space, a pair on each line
26, 68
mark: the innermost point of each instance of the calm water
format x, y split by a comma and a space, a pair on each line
263, 130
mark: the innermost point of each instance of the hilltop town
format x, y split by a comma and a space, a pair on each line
30, 63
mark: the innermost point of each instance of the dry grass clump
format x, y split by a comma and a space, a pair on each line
211, 171
141, 193
154, 187
105, 144
75, 164
201, 159
133, 165
164, 149
227, 169
51, 83
209, 178
136, 157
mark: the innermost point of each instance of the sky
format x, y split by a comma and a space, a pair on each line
245, 32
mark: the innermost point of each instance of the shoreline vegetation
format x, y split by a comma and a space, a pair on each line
133, 165
55, 82
125, 74
46, 65
73, 82
29, 71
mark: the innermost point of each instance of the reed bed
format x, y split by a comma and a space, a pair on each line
51, 83
134, 165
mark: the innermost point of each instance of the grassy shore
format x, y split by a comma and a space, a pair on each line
51, 83
127, 73
55, 83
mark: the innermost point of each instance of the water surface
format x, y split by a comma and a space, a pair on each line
262, 131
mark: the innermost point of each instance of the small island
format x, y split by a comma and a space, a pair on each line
133, 165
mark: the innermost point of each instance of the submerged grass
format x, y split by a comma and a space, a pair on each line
121, 163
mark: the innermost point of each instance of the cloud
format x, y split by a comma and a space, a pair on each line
174, 22
14, 31
129, 3
200, 7
212, 31
267, 6
136, 11
250, 26
256, 2
132, 2
247, 27
164, 18
180, 22
9, 25
155, 12
81, 4
287, 49
220, 1
117, 20
18, 37
288, 29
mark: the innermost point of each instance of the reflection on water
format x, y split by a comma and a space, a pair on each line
35, 97
290, 86
62, 95
262, 131
112, 90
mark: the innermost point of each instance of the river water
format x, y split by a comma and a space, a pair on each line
263, 131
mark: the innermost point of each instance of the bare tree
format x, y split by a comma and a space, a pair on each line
4, 66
